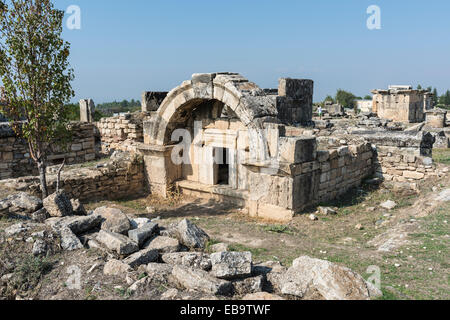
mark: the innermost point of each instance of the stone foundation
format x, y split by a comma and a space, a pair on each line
116, 180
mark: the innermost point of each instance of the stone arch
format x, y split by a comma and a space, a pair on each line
249, 102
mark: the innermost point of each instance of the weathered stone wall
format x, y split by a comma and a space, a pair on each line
342, 169
15, 160
403, 106
307, 177
436, 118
114, 180
114, 131
403, 157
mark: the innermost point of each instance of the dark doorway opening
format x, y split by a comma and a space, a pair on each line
224, 167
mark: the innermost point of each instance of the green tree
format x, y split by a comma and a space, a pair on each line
35, 71
445, 98
345, 98
435, 97
329, 98
368, 97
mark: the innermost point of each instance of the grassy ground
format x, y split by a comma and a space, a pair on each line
441, 156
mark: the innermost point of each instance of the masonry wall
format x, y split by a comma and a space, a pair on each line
311, 177
400, 106
115, 181
15, 160
116, 130
403, 157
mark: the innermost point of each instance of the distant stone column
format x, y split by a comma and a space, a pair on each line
87, 109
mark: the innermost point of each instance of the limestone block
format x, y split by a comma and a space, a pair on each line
298, 149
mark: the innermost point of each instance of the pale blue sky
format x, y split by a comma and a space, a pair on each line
126, 47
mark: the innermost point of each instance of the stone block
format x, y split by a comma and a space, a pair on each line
298, 149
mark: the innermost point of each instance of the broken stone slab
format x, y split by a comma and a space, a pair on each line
195, 260
139, 258
201, 281
77, 224
58, 205
40, 215
388, 205
309, 276
249, 285
163, 244
191, 236
137, 223
22, 203
262, 296
69, 241
117, 242
159, 272
116, 268
231, 265
16, 229
143, 233
114, 220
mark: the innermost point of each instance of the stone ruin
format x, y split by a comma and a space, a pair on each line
402, 103
219, 136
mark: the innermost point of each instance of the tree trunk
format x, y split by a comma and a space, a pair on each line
43, 178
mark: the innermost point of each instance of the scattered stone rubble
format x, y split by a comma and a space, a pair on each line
179, 261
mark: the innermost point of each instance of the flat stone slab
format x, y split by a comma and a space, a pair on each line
310, 276
139, 258
143, 233
231, 265
159, 272
78, 224
201, 281
163, 244
117, 242
196, 260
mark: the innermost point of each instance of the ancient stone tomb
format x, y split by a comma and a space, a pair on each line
222, 137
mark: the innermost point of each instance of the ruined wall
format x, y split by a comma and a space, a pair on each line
115, 130
307, 177
115, 180
15, 160
402, 106
403, 157
342, 169
436, 118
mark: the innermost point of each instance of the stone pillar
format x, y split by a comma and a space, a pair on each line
295, 101
160, 170
87, 109
436, 118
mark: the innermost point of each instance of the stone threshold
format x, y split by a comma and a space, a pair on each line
220, 190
